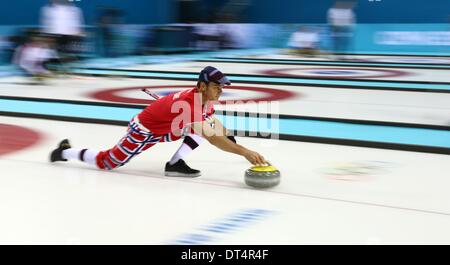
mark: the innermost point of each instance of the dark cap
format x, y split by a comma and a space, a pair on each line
211, 74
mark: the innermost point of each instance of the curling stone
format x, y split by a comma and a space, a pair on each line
262, 176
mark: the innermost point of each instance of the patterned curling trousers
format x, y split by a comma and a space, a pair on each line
132, 144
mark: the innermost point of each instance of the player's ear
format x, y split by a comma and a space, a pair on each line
202, 87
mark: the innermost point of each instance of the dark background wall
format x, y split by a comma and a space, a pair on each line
26, 12
384, 11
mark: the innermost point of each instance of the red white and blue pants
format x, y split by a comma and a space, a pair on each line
137, 140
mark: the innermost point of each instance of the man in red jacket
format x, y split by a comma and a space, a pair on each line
188, 112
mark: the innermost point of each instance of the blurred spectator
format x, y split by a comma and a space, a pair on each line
208, 36
305, 41
189, 11
63, 21
107, 23
5, 46
14, 40
232, 11
35, 56
209, 11
341, 19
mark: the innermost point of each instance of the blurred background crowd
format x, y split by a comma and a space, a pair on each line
34, 34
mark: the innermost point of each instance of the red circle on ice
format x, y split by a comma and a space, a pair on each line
269, 94
14, 138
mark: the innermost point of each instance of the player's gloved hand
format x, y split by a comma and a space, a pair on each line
255, 158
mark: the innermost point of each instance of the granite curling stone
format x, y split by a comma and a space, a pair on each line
262, 176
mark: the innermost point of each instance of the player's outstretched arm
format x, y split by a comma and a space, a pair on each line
217, 138
219, 126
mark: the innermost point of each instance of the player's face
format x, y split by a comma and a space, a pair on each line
213, 91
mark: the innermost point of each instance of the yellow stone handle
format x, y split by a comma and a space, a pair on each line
268, 168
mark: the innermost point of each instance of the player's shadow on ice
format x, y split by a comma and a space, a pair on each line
157, 173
